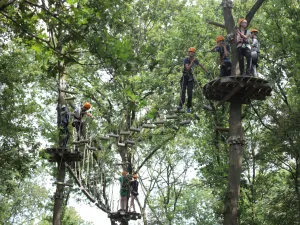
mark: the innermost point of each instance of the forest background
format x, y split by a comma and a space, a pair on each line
126, 56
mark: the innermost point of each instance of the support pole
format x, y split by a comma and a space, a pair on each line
236, 141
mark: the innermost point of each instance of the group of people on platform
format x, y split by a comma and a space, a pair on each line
129, 188
247, 47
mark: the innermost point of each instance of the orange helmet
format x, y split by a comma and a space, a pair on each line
192, 49
241, 20
135, 176
253, 30
220, 38
87, 105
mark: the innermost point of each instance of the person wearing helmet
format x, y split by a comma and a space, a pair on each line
77, 118
124, 190
187, 79
254, 50
134, 191
243, 46
224, 50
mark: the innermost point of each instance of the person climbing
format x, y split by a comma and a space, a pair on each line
254, 51
243, 46
64, 122
187, 79
124, 190
224, 50
78, 115
134, 191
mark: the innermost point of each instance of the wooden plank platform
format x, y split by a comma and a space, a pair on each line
241, 88
58, 154
124, 216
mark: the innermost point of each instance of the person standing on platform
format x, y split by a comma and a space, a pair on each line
124, 190
77, 118
187, 79
243, 46
254, 51
134, 191
224, 51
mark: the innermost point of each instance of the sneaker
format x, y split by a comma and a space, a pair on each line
179, 108
188, 110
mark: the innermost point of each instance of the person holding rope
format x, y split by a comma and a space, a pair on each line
224, 50
77, 118
134, 191
243, 46
254, 50
187, 79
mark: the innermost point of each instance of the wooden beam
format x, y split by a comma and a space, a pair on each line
222, 129
135, 129
148, 126
124, 132
104, 138
159, 122
69, 92
114, 135
171, 117
70, 98
185, 122
234, 91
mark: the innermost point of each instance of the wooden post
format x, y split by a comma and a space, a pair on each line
236, 141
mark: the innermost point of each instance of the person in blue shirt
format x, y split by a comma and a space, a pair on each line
224, 50
187, 79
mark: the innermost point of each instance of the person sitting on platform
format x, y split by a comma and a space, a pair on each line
187, 79
243, 46
124, 190
254, 51
134, 191
224, 50
78, 115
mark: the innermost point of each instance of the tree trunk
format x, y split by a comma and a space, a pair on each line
236, 141
230, 29
59, 194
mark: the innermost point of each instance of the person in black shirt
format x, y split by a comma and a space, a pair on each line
134, 191
187, 79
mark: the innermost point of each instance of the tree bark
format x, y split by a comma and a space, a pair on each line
236, 141
253, 10
59, 194
230, 29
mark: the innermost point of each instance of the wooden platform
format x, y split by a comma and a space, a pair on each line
58, 154
124, 216
242, 88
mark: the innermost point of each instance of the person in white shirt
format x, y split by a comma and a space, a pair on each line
254, 50
243, 38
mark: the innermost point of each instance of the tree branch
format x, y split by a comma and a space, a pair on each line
216, 24
253, 10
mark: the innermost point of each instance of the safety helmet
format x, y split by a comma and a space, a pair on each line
253, 30
124, 172
135, 176
192, 49
241, 20
220, 38
87, 105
